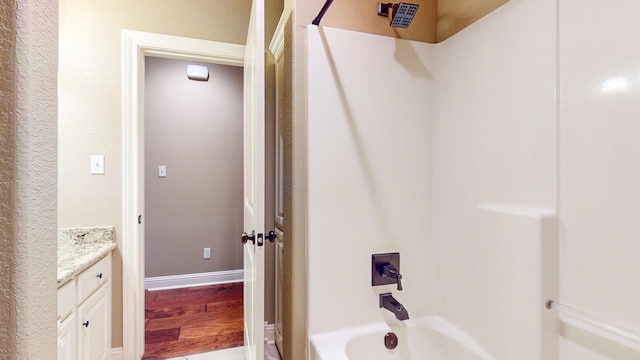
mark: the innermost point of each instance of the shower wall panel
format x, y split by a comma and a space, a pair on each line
369, 180
495, 142
600, 169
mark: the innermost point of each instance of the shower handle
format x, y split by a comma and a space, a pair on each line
390, 271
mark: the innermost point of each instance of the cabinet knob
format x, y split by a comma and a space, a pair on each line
86, 323
99, 276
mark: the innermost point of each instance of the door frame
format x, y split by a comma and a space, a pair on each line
136, 45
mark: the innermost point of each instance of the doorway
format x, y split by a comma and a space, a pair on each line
137, 46
193, 155
193, 173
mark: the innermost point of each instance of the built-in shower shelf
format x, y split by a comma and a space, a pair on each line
623, 334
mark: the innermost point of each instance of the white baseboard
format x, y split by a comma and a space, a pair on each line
269, 331
116, 353
191, 280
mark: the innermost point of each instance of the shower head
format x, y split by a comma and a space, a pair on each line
402, 13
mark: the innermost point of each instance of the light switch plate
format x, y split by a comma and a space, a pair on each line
162, 171
97, 164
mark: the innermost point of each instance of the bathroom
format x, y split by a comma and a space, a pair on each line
531, 117
499, 163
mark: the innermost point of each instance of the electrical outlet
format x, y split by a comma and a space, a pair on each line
207, 253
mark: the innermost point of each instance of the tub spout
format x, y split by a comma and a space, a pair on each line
388, 302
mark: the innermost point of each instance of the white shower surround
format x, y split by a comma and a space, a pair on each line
447, 154
369, 173
528, 127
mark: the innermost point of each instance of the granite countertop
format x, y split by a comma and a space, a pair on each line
79, 248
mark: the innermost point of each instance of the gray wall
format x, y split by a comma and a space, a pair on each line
194, 128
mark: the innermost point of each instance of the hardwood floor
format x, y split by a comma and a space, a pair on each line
193, 320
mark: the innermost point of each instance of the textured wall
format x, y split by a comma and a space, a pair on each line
194, 128
7, 105
35, 175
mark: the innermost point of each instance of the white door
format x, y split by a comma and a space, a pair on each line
254, 167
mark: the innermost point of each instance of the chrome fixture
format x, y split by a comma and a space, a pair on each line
388, 302
385, 269
402, 13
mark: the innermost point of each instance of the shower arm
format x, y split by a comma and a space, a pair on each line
324, 9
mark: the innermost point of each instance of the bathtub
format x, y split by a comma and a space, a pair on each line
430, 337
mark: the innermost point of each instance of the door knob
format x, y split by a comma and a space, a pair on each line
246, 237
271, 236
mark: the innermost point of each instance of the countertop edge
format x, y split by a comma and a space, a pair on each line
82, 263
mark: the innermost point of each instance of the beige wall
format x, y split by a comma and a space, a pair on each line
435, 21
194, 128
362, 16
28, 231
7, 114
90, 98
455, 15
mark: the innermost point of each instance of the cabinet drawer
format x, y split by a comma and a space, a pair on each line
66, 299
93, 277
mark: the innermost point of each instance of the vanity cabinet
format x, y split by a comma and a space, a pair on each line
68, 338
84, 314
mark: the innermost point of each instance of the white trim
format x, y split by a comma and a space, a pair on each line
276, 47
269, 330
136, 45
116, 354
277, 41
192, 280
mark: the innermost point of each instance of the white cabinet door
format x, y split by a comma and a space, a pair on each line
68, 339
94, 325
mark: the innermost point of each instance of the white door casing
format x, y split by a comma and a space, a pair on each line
276, 47
254, 188
136, 46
